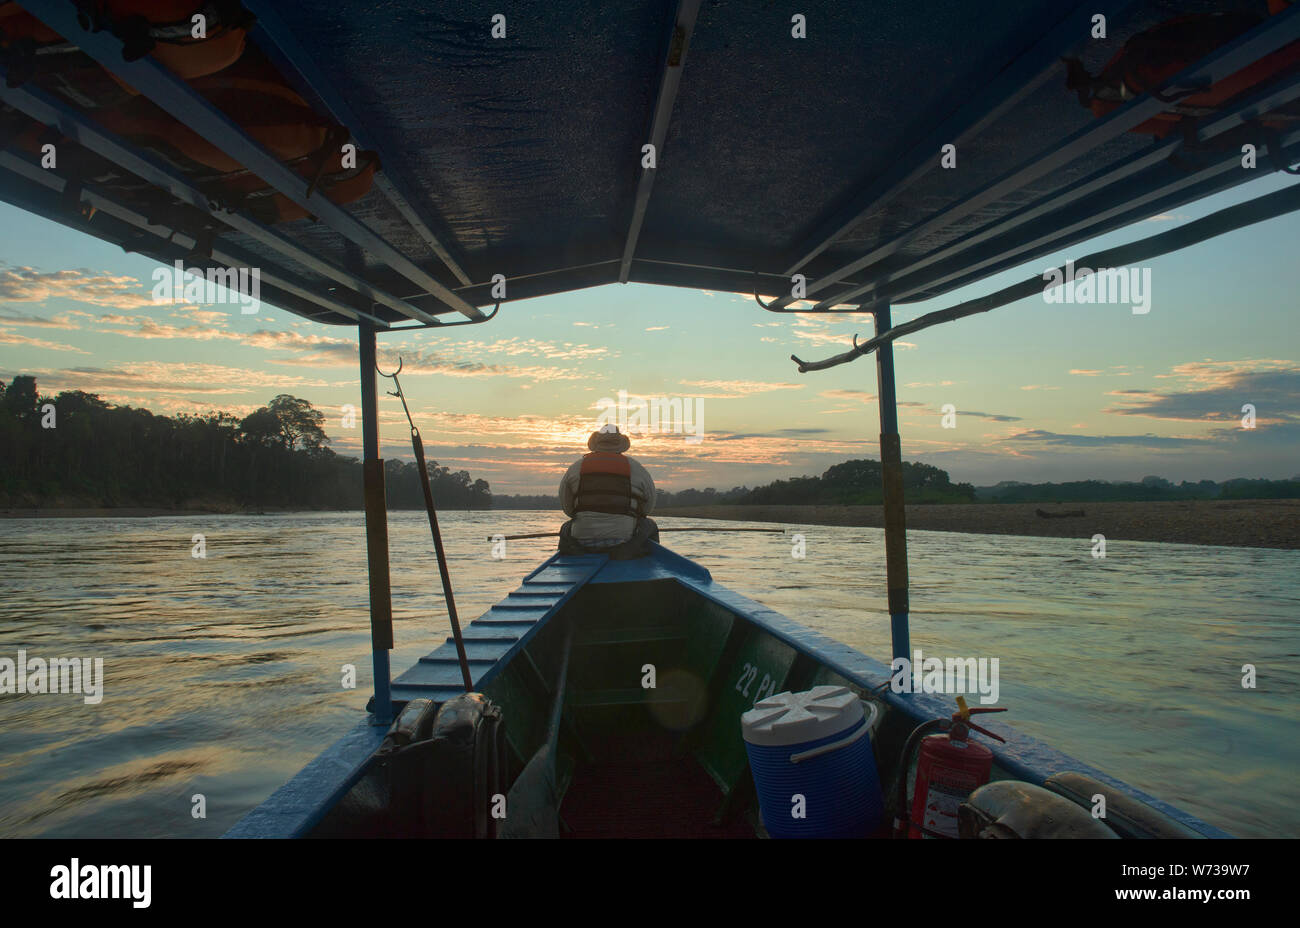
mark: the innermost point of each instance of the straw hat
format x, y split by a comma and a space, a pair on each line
608, 438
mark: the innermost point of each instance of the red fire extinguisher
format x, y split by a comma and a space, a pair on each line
949, 768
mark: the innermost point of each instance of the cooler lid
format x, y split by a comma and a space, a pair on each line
797, 718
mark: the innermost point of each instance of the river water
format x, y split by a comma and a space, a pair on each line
223, 674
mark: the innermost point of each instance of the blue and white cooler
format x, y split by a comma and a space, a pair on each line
813, 766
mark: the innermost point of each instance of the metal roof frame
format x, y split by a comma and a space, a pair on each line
1040, 63
1229, 219
41, 107
175, 97
1124, 186
167, 238
670, 79
1274, 33
276, 39
1085, 205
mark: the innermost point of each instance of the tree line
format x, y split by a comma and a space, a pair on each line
857, 482
852, 483
1148, 489
75, 449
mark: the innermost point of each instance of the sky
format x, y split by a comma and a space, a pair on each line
1041, 391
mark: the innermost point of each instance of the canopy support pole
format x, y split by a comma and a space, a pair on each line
891, 468
381, 600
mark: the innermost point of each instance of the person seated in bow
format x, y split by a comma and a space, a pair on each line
608, 498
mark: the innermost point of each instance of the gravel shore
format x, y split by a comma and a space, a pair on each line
1238, 523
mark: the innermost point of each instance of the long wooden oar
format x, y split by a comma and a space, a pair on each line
684, 528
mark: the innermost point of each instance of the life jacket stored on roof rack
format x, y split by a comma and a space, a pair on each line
16, 24
254, 95
1150, 58
250, 91
164, 29
342, 185
605, 485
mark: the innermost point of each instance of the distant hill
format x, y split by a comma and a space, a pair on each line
1148, 489
854, 482
857, 482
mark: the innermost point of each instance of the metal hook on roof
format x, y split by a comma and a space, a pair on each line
759, 300
487, 318
398, 393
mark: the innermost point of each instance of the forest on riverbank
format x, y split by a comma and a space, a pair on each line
76, 450
857, 483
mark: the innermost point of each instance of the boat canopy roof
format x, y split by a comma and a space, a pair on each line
524, 156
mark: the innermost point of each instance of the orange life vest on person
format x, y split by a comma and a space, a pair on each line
605, 485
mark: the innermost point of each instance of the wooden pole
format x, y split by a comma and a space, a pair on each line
891, 473
381, 600
417, 445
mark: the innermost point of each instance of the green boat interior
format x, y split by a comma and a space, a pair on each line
621, 716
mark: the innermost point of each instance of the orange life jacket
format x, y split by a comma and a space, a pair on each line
163, 29
16, 24
253, 94
605, 485
1152, 57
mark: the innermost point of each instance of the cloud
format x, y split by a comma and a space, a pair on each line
656, 328
1055, 439
171, 377
61, 321
830, 329
330, 351
1083, 372
209, 316
860, 396
1219, 390
778, 433
987, 416
735, 389
514, 346
13, 338
28, 285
